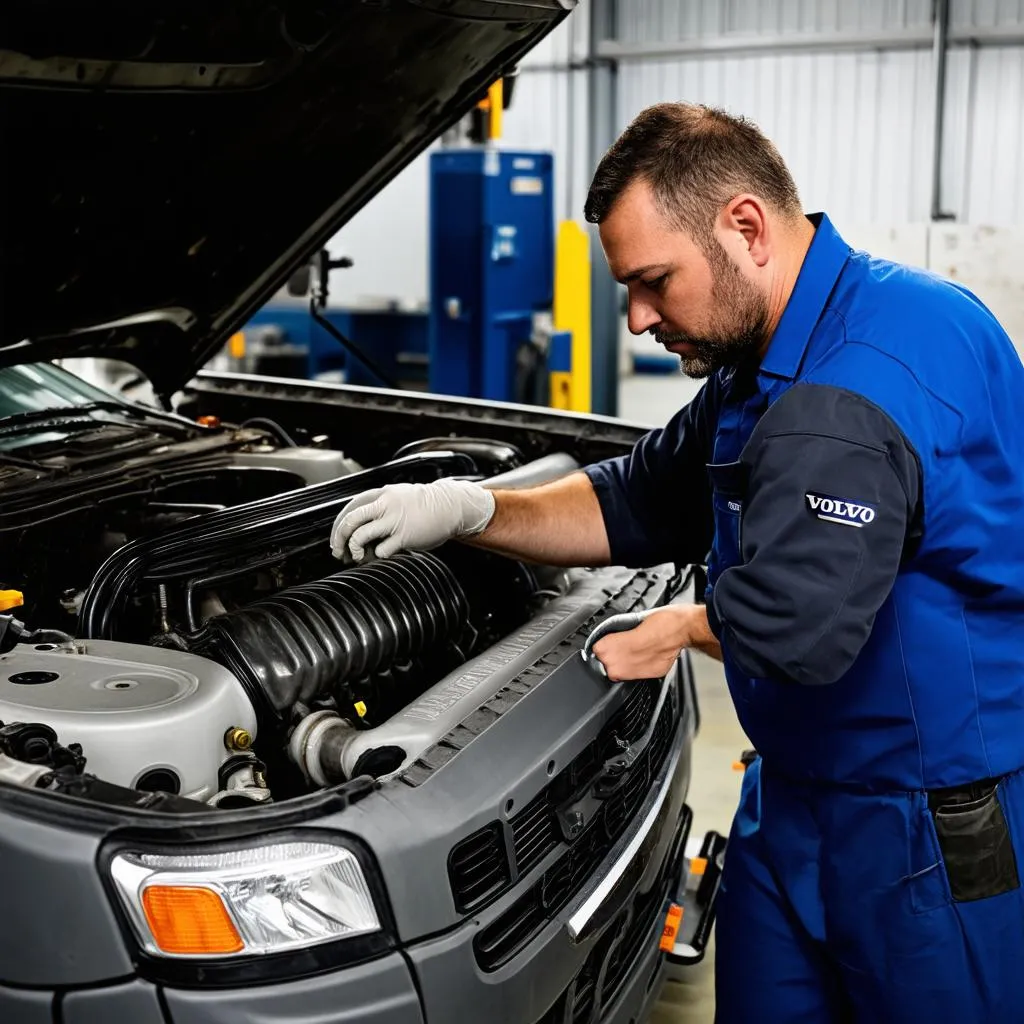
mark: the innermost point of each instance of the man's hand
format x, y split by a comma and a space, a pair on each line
404, 517
650, 650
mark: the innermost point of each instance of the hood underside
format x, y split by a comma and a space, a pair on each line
169, 165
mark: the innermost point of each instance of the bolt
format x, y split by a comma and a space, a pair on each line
161, 593
238, 739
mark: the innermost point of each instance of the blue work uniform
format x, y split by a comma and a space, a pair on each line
861, 491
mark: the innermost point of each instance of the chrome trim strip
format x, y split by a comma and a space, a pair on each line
586, 904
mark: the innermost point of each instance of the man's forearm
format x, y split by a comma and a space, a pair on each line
554, 524
702, 638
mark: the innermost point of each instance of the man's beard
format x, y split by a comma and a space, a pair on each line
739, 326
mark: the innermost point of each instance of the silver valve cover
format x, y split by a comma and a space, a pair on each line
142, 714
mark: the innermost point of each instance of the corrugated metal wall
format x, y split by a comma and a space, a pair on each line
642, 21
660, 20
854, 124
549, 109
984, 153
855, 127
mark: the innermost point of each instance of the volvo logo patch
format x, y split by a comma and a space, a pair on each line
839, 510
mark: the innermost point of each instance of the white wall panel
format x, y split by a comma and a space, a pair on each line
986, 13
855, 129
549, 112
658, 20
387, 240
985, 259
993, 186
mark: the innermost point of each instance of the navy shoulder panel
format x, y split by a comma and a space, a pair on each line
833, 506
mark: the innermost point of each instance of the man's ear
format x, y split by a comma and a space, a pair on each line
744, 229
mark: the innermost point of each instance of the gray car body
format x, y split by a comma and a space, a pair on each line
67, 956
69, 959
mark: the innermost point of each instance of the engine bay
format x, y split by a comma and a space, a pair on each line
196, 646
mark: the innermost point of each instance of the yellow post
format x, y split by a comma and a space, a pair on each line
496, 107
561, 390
572, 306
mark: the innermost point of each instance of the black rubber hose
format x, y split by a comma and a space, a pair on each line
274, 427
246, 532
490, 456
307, 641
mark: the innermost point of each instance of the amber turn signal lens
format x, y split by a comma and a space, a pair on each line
190, 921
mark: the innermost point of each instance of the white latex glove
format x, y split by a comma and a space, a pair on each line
403, 517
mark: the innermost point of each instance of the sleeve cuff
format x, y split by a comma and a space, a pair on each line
615, 511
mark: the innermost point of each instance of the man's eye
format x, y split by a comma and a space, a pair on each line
656, 283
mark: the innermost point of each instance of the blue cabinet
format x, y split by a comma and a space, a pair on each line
492, 243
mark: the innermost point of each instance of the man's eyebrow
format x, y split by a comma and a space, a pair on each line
639, 272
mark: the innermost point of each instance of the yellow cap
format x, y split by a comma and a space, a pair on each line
11, 599
360, 708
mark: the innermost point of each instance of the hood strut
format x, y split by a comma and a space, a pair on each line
318, 302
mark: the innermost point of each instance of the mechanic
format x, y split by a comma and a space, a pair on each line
855, 463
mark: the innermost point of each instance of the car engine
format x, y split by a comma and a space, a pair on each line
228, 660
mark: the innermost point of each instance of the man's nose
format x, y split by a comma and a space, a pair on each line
642, 317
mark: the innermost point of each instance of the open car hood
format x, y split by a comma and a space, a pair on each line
168, 165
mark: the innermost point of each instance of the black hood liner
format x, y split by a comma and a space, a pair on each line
170, 164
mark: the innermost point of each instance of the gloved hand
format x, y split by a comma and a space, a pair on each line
403, 517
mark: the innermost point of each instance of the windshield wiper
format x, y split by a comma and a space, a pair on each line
68, 412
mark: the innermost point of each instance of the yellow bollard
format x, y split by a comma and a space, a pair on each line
572, 306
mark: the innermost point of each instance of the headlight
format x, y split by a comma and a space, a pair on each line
267, 899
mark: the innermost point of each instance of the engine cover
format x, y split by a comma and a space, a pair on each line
142, 714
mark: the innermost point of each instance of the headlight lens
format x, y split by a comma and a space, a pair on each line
267, 899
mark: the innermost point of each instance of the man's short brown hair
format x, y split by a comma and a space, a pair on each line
695, 158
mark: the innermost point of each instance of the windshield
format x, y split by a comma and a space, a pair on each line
36, 387
31, 390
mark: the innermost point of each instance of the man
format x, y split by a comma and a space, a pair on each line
855, 461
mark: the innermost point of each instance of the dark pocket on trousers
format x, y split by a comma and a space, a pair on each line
976, 845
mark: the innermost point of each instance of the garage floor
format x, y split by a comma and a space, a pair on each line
715, 786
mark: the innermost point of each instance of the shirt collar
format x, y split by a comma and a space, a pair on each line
821, 268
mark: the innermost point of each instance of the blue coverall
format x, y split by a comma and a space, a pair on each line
862, 494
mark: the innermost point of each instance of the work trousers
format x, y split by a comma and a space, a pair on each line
839, 905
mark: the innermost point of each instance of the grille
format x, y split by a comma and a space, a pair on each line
583, 1000
518, 926
534, 832
478, 867
628, 723
626, 952
578, 1003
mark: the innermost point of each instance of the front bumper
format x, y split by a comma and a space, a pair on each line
608, 976
619, 980
564, 967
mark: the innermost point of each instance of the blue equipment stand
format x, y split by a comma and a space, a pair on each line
492, 251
